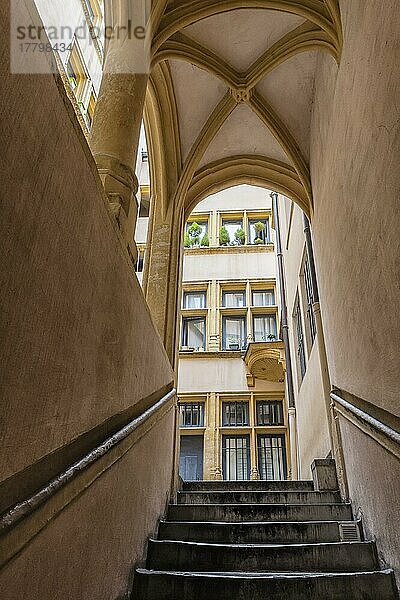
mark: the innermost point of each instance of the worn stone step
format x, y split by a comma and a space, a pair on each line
168, 585
195, 556
242, 533
259, 512
247, 486
259, 497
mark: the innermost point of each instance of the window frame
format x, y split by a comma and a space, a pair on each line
282, 459
263, 291
187, 293
234, 405
225, 343
273, 413
265, 316
185, 334
246, 460
228, 292
299, 339
266, 234
188, 408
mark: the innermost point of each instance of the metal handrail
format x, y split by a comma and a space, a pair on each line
28, 506
382, 428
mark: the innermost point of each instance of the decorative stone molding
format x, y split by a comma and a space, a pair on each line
241, 94
265, 360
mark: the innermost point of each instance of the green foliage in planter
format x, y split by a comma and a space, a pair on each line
194, 232
240, 236
259, 227
224, 237
186, 240
258, 241
205, 240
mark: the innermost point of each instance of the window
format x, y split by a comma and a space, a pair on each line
233, 299
236, 457
269, 412
90, 9
298, 328
232, 226
272, 457
234, 333
194, 333
77, 75
194, 300
264, 328
263, 297
191, 414
309, 297
90, 110
259, 232
140, 261
191, 457
235, 414
196, 234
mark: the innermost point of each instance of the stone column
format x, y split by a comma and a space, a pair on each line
162, 276
213, 325
211, 466
115, 137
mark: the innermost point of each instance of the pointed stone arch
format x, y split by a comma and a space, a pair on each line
252, 170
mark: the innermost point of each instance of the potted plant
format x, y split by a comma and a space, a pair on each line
186, 240
259, 227
240, 236
205, 240
194, 233
224, 237
271, 337
233, 344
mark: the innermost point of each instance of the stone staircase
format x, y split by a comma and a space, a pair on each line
256, 539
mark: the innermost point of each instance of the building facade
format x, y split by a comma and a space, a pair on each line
77, 28
233, 417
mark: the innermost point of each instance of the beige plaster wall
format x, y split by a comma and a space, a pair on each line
90, 549
217, 374
228, 264
77, 339
375, 491
356, 183
238, 197
312, 424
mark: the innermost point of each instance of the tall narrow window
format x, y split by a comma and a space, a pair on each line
235, 414
298, 327
264, 328
236, 457
272, 457
234, 333
263, 297
77, 74
194, 300
308, 289
194, 333
140, 261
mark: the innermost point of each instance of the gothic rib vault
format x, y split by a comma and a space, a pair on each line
230, 95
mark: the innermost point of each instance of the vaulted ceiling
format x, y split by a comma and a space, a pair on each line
231, 93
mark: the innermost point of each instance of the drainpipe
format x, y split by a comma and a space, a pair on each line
333, 421
285, 336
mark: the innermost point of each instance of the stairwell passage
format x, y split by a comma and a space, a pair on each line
255, 539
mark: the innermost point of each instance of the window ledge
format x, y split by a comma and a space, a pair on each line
250, 248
